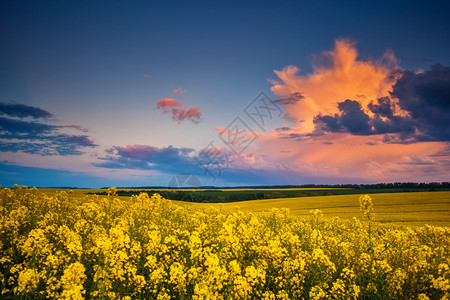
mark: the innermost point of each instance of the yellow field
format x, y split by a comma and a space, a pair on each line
68, 246
411, 209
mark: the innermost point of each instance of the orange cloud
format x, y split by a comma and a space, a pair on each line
168, 102
344, 77
304, 150
179, 91
179, 111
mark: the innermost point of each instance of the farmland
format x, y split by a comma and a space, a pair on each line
413, 208
69, 245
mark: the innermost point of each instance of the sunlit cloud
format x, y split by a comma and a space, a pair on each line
179, 110
343, 77
417, 110
179, 91
346, 157
358, 119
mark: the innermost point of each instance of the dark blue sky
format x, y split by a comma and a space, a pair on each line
103, 65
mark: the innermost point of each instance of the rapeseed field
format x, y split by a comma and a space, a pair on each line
75, 247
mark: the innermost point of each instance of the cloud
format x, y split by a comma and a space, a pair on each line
168, 103
383, 108
18, 133
283, 129
78, 127
443, 152
22, 111
147, 76
426, 97
81, 140
145, 157
212, 162
359, 120
291, 99
417, 111
343, 77
12, 128
349, 158
179, 111
352, 118
50, 145
416, 160
179, 91
367, 97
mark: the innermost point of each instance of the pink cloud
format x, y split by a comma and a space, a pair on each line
344, 156
147, 76
137, 151
179, 91
179, 110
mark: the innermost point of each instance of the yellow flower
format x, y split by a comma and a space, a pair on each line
148, 247
27, 281
177, 276
365, 205
317, 293
72, 282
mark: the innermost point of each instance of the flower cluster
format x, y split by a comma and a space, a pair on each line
69, 247
366, 205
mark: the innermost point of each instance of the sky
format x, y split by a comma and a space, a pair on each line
139, 93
